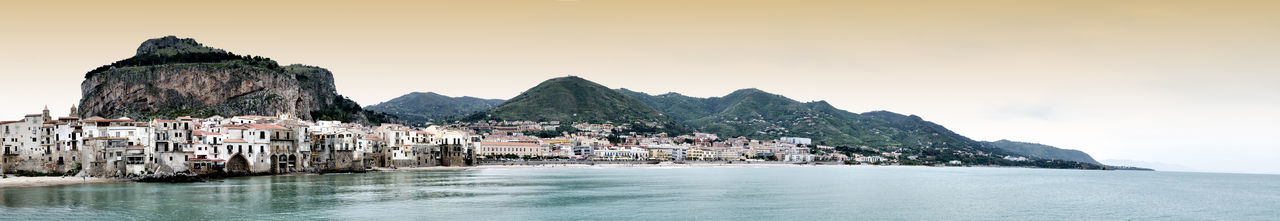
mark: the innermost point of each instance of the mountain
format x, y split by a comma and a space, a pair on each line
1042, 151
170, 77
420, 107
573, 99
676, 106
757, 114
1153, 165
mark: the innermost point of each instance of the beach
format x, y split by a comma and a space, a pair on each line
16, 182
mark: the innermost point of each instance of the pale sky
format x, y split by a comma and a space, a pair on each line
1193, 83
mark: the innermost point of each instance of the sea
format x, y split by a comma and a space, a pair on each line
672, 193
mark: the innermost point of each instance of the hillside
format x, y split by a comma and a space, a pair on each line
573, 99
170, 77
420, 107
1042, 151
756, 114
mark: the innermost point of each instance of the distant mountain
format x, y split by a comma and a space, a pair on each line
1153, 165
1035, 150
757, 114
573, 99
420, 107
170, 77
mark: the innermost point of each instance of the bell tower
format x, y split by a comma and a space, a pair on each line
46, 113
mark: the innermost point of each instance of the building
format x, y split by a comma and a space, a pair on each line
796, 140
520, 149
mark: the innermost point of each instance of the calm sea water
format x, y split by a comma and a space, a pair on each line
775, 193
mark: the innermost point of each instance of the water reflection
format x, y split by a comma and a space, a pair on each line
664, 194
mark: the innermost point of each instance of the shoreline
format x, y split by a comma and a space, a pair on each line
48, 181
605, 164
21, 182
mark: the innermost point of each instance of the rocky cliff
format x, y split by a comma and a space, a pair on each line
170, 77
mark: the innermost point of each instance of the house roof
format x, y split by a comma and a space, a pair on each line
235, 141
204, 133
266, 127
99, 119
507, 144
252, 117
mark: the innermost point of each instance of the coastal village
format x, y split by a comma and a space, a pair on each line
40, 144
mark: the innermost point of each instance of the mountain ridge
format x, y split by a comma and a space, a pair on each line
423, 107
574, 99
1042, 151
757, 114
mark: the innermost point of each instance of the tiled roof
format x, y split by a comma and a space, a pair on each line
266, 127
204, 133
506, 144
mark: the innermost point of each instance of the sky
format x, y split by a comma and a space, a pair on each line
1188, 83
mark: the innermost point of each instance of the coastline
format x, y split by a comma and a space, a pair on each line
19, 182
606, 164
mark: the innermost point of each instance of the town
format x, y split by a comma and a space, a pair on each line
40, 144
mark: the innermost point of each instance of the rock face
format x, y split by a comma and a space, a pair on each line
171, 77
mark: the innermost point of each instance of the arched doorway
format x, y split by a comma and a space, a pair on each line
238, 164
293, 162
